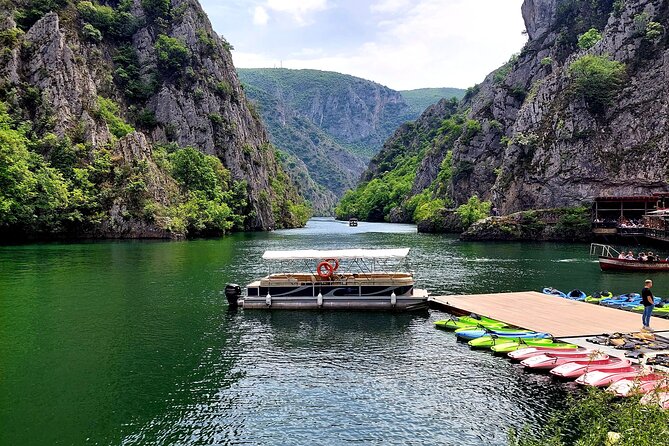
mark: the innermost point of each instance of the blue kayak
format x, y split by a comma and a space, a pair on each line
469, 334
553, 292
576, 295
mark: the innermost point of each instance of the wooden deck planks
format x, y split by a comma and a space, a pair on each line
550, 314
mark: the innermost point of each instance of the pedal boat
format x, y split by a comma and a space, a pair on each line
602, 378
468, 334
640, 385
455, 323
347, 279
549, 361
490, 341
575, 369
507, 347
524, 353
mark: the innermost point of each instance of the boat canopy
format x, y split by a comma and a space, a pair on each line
315, 254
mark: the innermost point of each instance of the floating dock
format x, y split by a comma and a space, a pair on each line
563, 318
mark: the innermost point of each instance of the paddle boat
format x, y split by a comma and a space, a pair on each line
524, 353
472, 333
455, 323
574, 369
528, 343
602, 378
548, 361
345, 279
494, 340
640, 385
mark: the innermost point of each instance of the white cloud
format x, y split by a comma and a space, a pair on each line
260, 16
298, 10
385, 6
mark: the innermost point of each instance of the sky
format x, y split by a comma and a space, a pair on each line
402, 44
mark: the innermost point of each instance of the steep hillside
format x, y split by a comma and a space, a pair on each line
126, 119
332, 122
421, 98
580, 112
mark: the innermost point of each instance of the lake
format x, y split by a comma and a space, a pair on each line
132, 343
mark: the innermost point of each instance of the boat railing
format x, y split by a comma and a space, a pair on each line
600, 250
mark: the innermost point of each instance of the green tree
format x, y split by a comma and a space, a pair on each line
473, 211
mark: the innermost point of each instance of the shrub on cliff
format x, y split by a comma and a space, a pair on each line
473, 211
172, 53
597, 79
589, 38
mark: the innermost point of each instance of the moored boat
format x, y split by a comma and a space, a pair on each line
347, 279
551, 360
575, 369
601, 378
492, 341
455, 323
529, 352
639, 385
472, 333
507, 347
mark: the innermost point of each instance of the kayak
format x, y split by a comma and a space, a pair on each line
596, 297
455, 323
549, 361
639, 385
473, 333
577, 368
524, 353
576, 295
508, 347
494, 341
553, 292
601, 378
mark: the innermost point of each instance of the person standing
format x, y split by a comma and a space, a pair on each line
648, 301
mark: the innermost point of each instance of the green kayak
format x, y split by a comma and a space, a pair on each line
455, 323
511, 346
489, 341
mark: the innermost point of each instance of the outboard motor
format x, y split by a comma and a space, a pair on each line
233, 292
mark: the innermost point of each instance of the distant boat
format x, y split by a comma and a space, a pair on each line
353, 222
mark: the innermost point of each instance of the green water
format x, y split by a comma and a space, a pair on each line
132, 343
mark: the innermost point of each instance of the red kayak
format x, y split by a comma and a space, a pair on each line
577, 368
601, 378
639, 385
549, 361
525, 353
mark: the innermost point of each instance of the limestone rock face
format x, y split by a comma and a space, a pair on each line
536, 142
200, 103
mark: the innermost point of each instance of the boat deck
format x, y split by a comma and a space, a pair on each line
563, 318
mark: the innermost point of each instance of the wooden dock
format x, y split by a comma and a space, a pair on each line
560, 317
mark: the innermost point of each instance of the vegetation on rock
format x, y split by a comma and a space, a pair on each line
597, 79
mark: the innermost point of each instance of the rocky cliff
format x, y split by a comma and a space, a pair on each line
136, 83
581, 111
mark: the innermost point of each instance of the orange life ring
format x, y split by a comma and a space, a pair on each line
335, 266
325, 270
